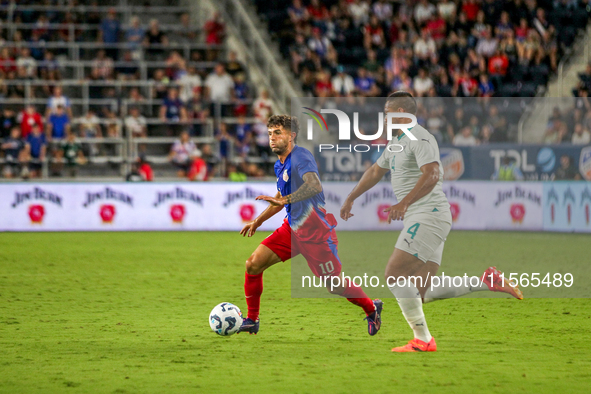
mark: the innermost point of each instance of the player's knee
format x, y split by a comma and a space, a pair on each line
253, 265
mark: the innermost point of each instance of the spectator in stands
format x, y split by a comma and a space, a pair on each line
186, 33
173, 109
422, 83
103, 65
29, 118
176, 65
135, 97
447, 9
485, 87
508, 171
241, 132
190, 85
27, 63
319, 44
233, 66
581, 136
36, 148
323, 86
342, 83
210, 158
373, 34
14, 150
225, 139
465, 137
556, 132
89, 125
241, 94
134, 36
113, 126
215, 33
365, 85
298, 53
7, 63
129, 70
144, 169
424, 11
134, 175
395, 65
135, 123
262, 107
566, 171
58, 124
486, 134
109, 31
198, 171
487, 45
235, 174
220, 86
155, 37
161, 82
7, 122
317, 13
383, 10
181, 154
58, 99
497, 67
71, 151
424, 47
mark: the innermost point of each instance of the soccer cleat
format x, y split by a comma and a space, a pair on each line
374, 323
250, 326
416, 345
499, 283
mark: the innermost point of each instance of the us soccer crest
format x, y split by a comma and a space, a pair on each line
285, 176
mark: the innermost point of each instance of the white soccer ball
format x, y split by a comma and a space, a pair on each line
225, 319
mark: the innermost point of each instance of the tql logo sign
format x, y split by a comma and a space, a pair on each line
345, 124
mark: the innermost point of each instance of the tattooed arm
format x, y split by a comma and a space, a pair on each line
310, 188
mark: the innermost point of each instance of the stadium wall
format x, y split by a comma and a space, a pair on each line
536, 162
475, 205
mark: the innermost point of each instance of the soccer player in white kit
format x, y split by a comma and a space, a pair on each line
417, 175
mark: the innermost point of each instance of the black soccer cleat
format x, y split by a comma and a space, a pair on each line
374, 321
250, 326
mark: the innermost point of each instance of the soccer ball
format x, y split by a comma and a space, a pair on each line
225, 319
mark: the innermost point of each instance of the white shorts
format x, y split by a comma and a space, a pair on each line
424, 235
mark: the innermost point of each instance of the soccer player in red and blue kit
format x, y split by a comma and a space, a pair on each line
308, 229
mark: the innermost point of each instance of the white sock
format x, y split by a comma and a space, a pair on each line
409, 299
446, 288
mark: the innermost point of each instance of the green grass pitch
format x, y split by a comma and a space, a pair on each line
128, 313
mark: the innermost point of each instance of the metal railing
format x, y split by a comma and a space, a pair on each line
75, 49
258, 52
124, 11
75, 30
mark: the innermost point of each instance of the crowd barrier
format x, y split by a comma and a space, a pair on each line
474, 205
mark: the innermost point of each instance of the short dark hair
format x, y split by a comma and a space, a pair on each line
288, 122
402, 99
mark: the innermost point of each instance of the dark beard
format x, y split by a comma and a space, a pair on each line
279, 151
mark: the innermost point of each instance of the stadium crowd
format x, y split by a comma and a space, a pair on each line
41, 116
448, 48
141, 83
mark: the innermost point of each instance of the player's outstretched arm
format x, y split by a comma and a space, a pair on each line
369, 179
251, 227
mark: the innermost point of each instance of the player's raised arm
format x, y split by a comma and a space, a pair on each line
251, 227
370, 178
